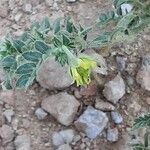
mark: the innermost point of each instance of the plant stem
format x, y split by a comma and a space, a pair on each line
73, 60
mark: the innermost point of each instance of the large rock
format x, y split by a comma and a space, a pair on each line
62, 106
143, 75
6, 133
92, 122
114, 89
52, 75
22, 142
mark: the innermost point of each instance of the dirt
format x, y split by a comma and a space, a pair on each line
26, 102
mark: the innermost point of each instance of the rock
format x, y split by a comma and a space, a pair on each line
10, 146
82, 0
143, 75
114, 89
90, 90
7, 97
18, 17
104, 106
55, 6
126, 8
49, 2
6, 133
8, 114
52, 75
112, 135
121, 62
27, 8
62, 106
3, 11
1, 148
40, 113
77, 94
133, 104
71, 1
148, 100
116, 117
92, 122
64, 147
22, 142
76, 138
62, 137
36, 2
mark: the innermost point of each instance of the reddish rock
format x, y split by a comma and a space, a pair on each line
90, 90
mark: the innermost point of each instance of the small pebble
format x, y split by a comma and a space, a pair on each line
40, 113
116, 117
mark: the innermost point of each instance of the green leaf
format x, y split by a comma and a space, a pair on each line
142, 122
45, 25
66, 40
103, 38
69, 25
139, 146
35, 25
26, 68
41, 47
32, 56
126, 20
7, 84
23, 81
18, 44
103, 17
9, 62
56, 25
57, 41
146, 139
84, 32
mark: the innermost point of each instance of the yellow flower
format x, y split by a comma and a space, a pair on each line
80, 73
